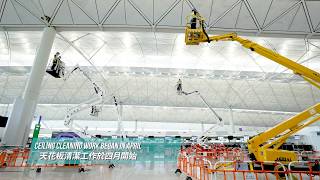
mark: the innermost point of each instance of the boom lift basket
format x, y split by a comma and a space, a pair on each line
194, 30
95, 110
57, 67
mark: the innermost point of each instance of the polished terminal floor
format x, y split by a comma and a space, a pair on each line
120, 172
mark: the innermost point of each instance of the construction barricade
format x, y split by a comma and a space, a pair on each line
14, 157
19, 158
199, 168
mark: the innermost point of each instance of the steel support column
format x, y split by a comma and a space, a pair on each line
20, 119
119, 111
136, 126
202, 128
231, 121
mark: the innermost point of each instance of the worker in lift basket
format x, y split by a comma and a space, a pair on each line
194, 17
56, 59
57, 65
179, 86
195, 20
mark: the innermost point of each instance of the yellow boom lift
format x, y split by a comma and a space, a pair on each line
264, 146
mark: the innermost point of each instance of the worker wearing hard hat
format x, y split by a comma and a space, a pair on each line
194, 17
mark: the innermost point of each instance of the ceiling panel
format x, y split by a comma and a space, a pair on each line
62, 13
270, 18
117, 15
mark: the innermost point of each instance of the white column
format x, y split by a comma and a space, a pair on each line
136, 126
119, 128
231, 121
20, 119
202, 128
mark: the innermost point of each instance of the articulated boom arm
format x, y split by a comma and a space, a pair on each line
96, 88
100, 99
265, 146
83, 106
282, 131
309, 75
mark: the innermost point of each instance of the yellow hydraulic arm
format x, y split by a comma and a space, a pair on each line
308, 74
264, 147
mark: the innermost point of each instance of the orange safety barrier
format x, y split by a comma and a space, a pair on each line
3, 156
19, 157
312, 170
14, 158
200, 168
216, 152
307, 155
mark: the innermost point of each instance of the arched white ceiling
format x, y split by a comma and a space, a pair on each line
269, 17
142, 67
